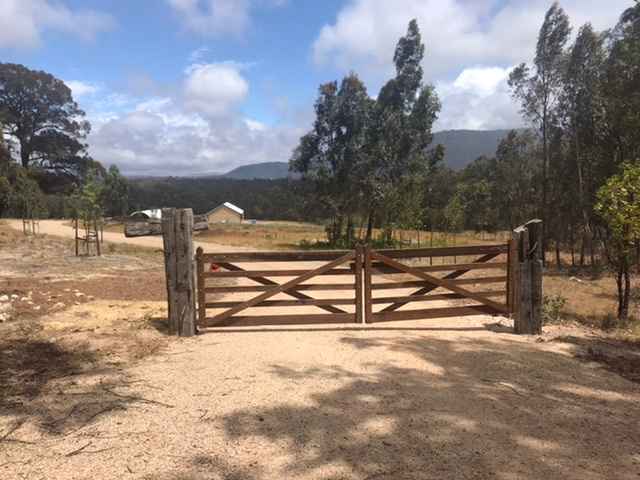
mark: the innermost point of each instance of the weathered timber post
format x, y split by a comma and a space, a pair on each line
177, 231
358, 282
368, 306
525, 278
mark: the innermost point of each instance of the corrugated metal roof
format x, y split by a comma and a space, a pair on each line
233, 207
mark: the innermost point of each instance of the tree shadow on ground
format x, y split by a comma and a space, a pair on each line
60, 388
472, 409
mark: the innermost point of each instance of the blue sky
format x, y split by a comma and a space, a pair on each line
195, 86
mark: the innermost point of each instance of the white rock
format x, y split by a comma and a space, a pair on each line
79, 294
3, 317
14, 296
58, 306
4, 298
36, 308
24, 299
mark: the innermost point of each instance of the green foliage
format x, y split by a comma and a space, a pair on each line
619, 206
40, 115
5, 194
27, 200
367, 157
552, 306
87, 202
115, 193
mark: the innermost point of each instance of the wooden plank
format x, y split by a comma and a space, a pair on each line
319, 255
358, 284
432, 297
448, 284
449, 276
430, 287
266, 287
273, 273
202, 314
368, 309
268, 320
270, 283
287, 303
379, 268
286, 286
444, 251
434, 313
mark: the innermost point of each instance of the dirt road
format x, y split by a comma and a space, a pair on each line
60, 228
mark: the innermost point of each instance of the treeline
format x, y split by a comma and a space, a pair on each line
261, 199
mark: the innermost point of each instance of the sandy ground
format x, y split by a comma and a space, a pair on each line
60, 228
436, 399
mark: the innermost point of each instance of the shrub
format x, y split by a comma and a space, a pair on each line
552, 306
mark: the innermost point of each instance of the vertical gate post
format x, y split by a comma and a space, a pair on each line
358, 283
202, 311
177, 232
368, 310
526, 278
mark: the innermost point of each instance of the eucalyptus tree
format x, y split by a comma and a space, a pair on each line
398, 140
538, 87
622, 88
330, 156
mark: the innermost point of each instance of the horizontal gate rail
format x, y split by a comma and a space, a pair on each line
247, 257
431, 298
445, 251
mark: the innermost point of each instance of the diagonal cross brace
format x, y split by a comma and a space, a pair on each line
293, 293
449, 276
441, 282
283, 287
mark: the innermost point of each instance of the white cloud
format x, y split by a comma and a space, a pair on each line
23, 21
456, 32
216, 17
479, 98
198, 130
80, 89
214, 89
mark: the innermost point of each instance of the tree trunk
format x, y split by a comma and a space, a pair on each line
369, 227
25, 153
543, 209
558, 261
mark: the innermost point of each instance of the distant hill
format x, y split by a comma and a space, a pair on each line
461, 148
263, 171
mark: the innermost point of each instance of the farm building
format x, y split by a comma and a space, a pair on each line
225, 213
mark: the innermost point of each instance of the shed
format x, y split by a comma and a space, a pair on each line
225, 213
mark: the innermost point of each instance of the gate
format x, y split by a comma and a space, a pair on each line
346, 285
297, 269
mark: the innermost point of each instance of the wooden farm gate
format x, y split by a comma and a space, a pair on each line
344, 286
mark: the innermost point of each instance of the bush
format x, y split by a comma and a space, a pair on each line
552, 306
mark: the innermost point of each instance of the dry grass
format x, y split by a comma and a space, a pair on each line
593, 302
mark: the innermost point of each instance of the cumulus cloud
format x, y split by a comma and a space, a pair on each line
22, 22
456, 32
80, 89
198, 130
214, 89
479, 98
215, 17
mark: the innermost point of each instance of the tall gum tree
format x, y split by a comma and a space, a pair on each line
538, 87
